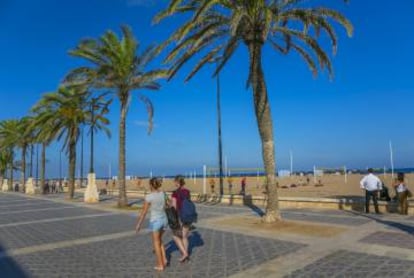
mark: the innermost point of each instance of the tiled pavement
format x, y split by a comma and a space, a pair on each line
48, 237
352, 264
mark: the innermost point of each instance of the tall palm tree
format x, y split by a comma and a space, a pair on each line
9, 134
64, 112
5, 159
116, 66
43, 135
217, 27
24, 139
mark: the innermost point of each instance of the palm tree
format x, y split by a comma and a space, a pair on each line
116, 66
43, 135
5, 159
218, 27
24, 137
9, 137
63, 113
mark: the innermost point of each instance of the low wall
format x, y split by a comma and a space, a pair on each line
355, 204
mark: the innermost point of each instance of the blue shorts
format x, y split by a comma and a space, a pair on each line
158, 225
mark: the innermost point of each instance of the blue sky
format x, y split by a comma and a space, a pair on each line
347, 121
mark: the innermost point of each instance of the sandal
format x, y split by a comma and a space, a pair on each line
185, 259
159, 268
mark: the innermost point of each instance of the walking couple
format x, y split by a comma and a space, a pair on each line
155, 203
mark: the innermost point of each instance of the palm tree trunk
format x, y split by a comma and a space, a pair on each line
31, 161
122, 198
72, 165
23, 177
11, 168
265, 125
43, 168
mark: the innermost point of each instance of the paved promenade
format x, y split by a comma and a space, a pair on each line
46, 236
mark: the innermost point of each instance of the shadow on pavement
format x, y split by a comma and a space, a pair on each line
248, 202
195, 240
9, 267
409, 229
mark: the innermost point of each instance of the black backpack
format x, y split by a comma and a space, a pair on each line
172, 215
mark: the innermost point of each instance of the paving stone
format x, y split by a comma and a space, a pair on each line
347, 221
213, 254
15, 207
40, 233
54, 212
401, 240
357, 265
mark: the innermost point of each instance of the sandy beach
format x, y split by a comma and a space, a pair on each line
326, 186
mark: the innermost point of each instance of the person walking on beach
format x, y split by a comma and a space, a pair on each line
180, 235
371, 184
230, 182
243, 186
212, 185
402, 191
155, 203
113, 186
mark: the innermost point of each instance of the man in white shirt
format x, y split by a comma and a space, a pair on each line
372, 184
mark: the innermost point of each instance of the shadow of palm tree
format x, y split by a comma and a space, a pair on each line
248, 202
9, 267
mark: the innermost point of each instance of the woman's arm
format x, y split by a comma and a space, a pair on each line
142, 216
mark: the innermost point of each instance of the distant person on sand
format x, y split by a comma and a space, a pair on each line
243, 186
371, 184
402, 190
212, 183
155, 203
113, 186
230, 182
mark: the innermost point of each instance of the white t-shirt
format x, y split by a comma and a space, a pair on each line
371, 182
401, 188
157, 208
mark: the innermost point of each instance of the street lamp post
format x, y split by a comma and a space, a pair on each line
60, 167
37, 164
91, 170
81, 162
220, 149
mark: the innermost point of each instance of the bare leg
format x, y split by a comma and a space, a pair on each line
163, 255
157, 248
186, 231
179, 242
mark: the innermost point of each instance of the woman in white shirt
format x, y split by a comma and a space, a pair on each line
402, 191
155, 202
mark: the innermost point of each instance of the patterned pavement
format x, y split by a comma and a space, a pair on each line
48, 237
351, 264
214, 253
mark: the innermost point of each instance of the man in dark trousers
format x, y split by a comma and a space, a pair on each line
371, 184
